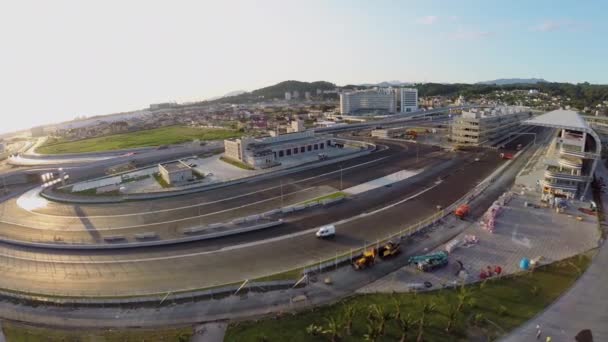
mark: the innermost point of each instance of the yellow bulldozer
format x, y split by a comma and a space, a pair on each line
365, 260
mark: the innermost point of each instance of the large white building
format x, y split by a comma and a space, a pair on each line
269, 151
572, 157
409, 99
484, 126
386, 100
368, 101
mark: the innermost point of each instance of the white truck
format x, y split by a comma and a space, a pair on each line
326, 231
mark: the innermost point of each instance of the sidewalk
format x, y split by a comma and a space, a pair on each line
584, 306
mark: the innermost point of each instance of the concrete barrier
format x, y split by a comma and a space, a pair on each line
332, 200
298, 207
238, 220
271, 212
252, 218
114, 238
147, 235
194, 230
121, 245
286, 210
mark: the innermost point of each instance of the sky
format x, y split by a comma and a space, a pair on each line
61, 59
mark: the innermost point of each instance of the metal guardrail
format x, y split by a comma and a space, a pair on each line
152, 299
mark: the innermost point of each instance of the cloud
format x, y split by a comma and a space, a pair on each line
548, 26
428, 20
555, 25
461, 34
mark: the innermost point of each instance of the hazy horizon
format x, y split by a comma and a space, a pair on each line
66, 58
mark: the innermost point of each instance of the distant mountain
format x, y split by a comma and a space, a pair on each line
387, 84
278, 90
232, 93
506, 81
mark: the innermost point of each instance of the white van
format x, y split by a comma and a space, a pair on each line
326, 231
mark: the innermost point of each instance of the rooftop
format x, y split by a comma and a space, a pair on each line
175, 166
560, 118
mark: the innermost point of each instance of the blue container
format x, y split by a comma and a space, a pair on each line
524, 263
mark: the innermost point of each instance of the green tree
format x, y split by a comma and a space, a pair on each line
405, 324
463, 297
452, 312
372, 332
332, 330
427, 308
349, 315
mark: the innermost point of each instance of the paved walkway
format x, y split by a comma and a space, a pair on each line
2, 339
584, 306
520, 231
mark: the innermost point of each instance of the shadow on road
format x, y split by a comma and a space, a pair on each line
87, 224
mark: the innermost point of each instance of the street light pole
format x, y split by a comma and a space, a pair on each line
341, 188
281, 193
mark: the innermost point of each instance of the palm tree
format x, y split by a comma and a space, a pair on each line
314, 330
397, 315
463, 297
404, 326
332, 330
451, 318
380, 318
349, 315
372, 333
428, 308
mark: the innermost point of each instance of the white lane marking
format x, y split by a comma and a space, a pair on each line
84, 229
382, 181
224, 249
211, 202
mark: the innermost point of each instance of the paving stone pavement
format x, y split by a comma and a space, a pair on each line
584, 306
520, 231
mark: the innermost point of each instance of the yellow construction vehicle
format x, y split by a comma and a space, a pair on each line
365, 260
389, 249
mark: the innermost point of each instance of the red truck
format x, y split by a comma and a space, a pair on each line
506, 155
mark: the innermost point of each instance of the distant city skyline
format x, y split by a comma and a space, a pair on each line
64, 59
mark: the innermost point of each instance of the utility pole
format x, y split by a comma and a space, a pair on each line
200, 218
341, 188
281, 193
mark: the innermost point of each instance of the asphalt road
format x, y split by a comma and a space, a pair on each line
195, 265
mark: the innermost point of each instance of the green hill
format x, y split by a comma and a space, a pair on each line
277, 91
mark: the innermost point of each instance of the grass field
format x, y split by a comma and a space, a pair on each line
325, 197
478, 312
153, 137
24, 333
